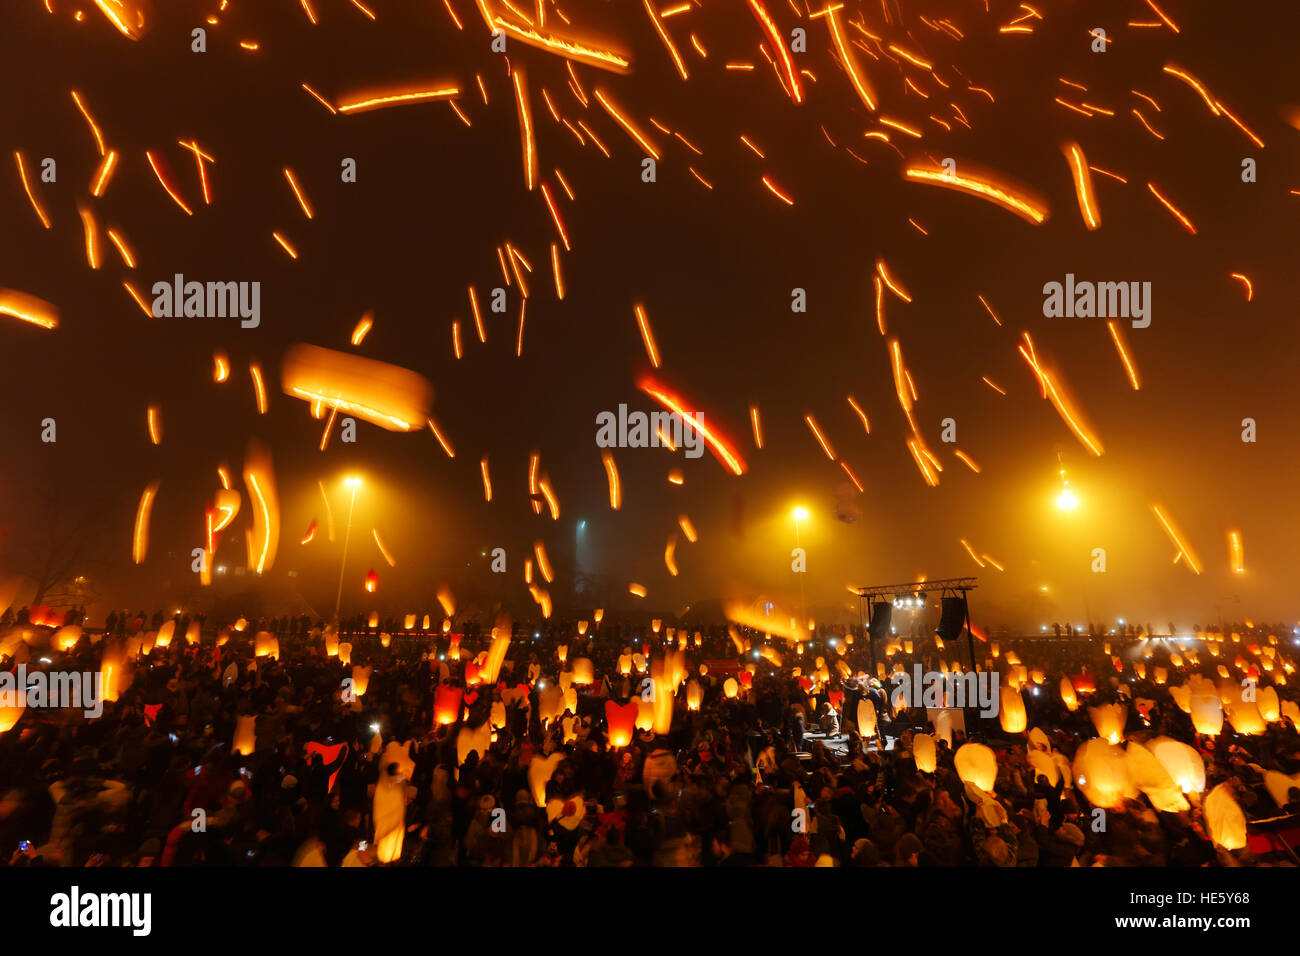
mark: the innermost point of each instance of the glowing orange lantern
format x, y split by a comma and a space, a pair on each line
620, 721
446, 704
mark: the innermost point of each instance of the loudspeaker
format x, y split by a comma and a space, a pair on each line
953, 619
880, 614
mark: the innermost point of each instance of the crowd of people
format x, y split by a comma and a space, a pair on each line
770, 770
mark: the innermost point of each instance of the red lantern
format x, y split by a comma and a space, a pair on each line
446, 704
620, 722
372, 581
746, 679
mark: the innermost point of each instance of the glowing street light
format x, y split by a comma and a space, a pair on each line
1066, 500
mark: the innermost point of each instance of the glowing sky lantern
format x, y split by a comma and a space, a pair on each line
1044, 766
11, 709
1011, 711
562, 652
65, 638
645, 715
360, 679
1101, 771
1269, 706
266, 645
730, 688
331, 643
1109, 720
446, 704
1183, 764
475, 740
389, 396
192, 633
1278, 785
1150, 776
583, 672
923, 751
625, 664
245, 741
389, 808
620, 722
1068, 696
371, 583
496, 653
1245, 717
694, 694
866, 718
345, 653
1224, 819
976, 764
1207, 713
540, 771
165, 633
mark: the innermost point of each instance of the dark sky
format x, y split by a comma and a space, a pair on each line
714, 270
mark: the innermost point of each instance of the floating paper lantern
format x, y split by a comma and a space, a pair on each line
1182, 695
540, 771
65, 638
1068, 696
266, 645
620, 722
1044, 766
730, 688
1224, 819
645, 715
1038, 740
598, 616
976, 764
1150, 776
331, 644
164, 638
625, 664
1011, 711
475, 740
1101, 771
389, 807
923, 749
385, 639
1207, 713
1183, 764
360, 680
345, 653
1290, 710
11, 709
245, 741
497, 715
550, 704
371, 583
694, 694
408, 622
1245, 717
1109, 720
583, 672
1278, 785
1269, 707
446, 704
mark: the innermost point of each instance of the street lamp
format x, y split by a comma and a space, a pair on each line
353, 482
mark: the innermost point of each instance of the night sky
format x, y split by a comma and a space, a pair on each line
714, 269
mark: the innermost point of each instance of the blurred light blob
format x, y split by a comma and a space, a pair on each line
392, 397
395, 769
28, 308
259, 477
127, 16
140, 536
245, 741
